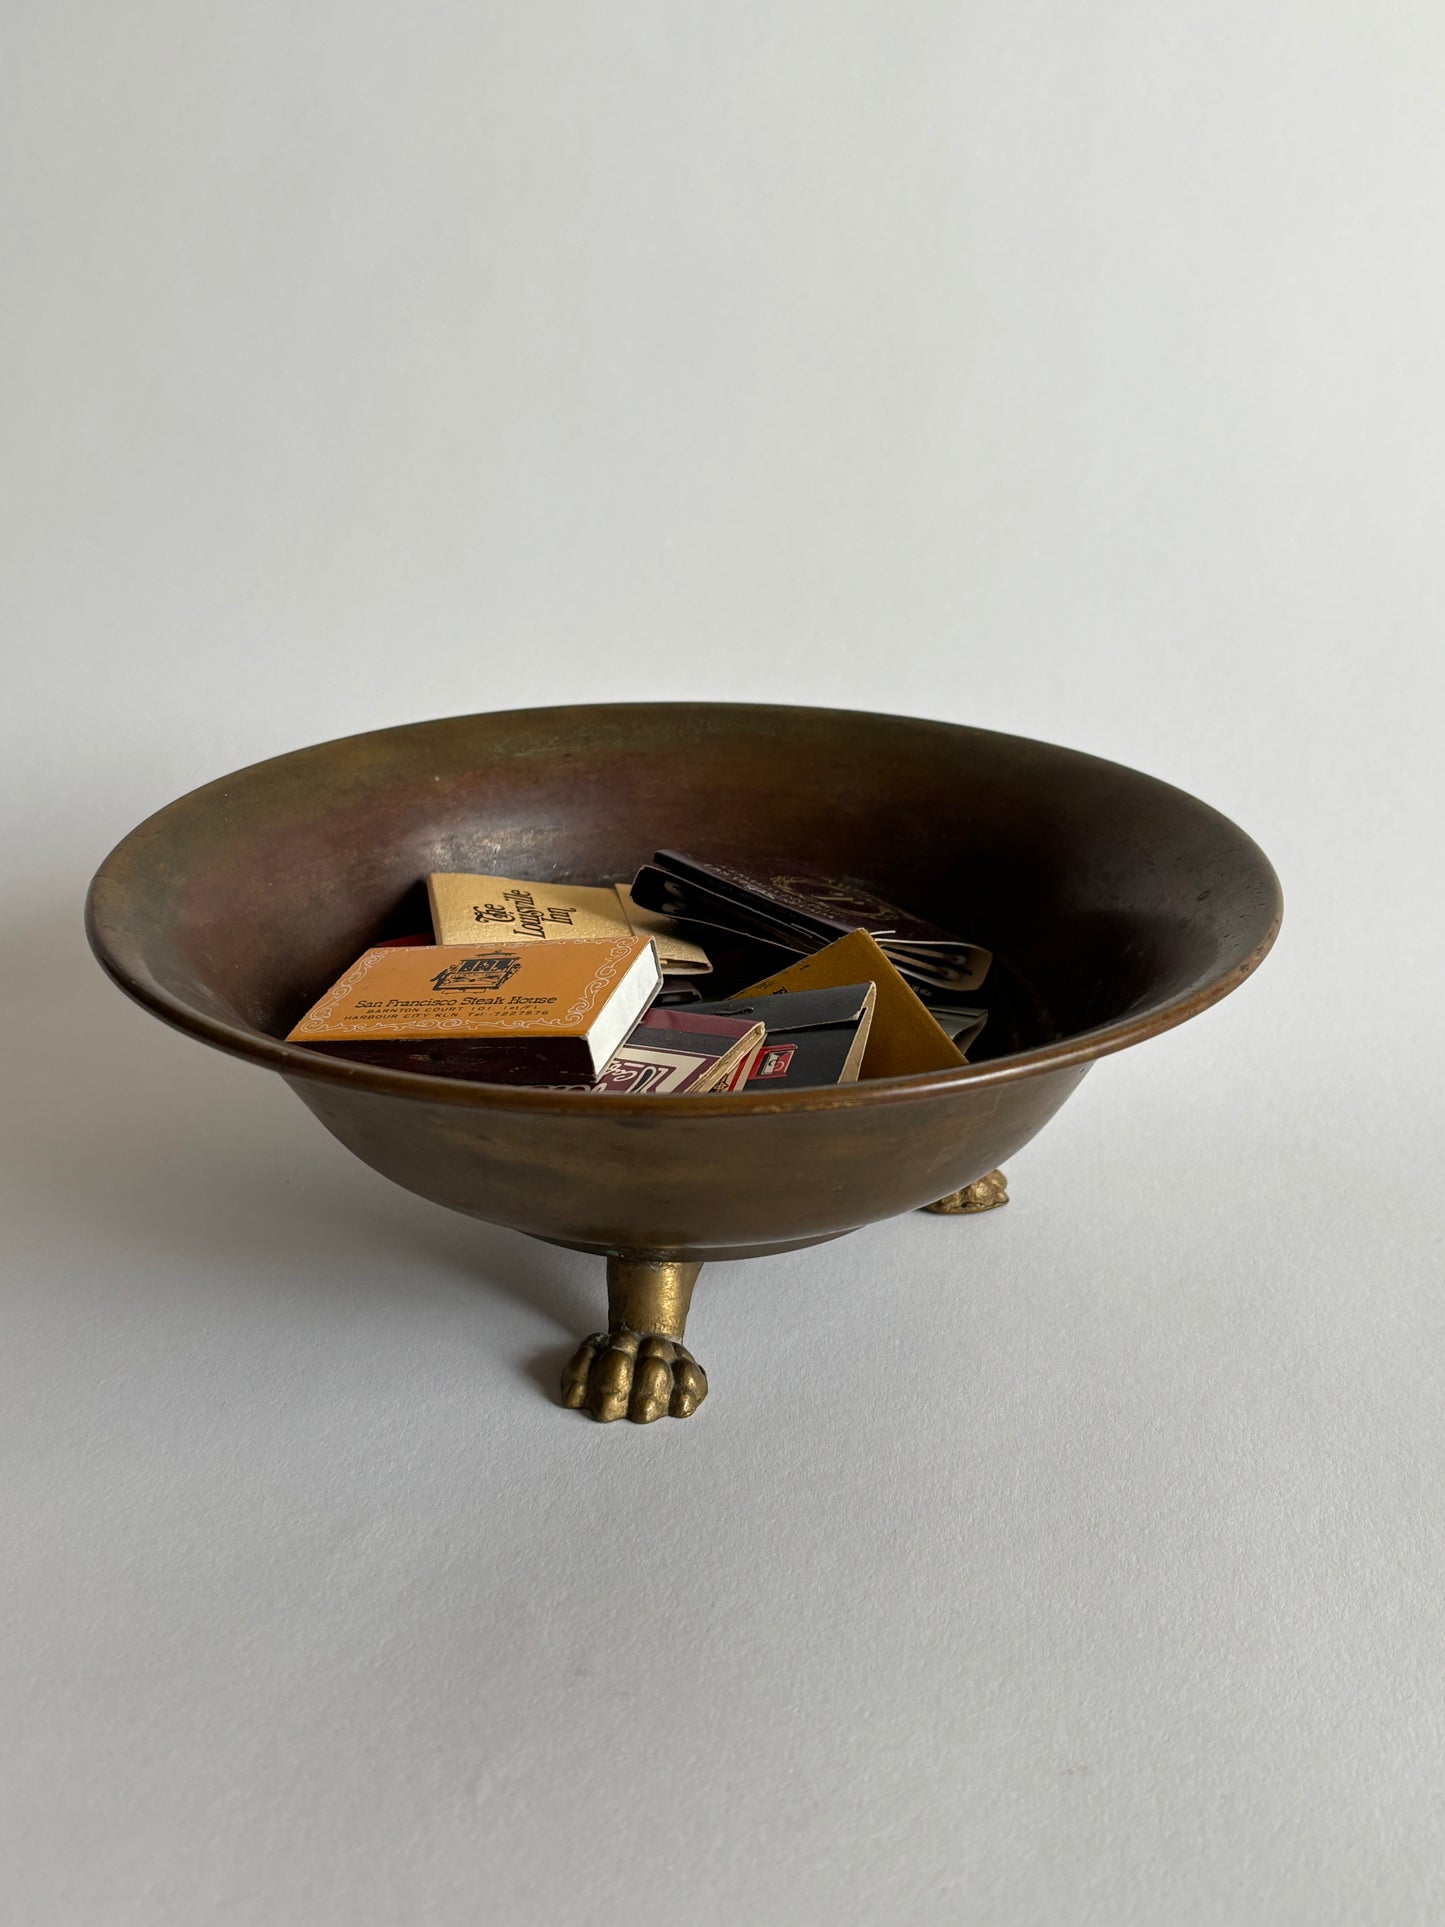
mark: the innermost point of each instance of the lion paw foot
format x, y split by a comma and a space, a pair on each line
633, 1375
986, 1194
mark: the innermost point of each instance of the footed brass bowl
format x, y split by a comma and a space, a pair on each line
1115, 906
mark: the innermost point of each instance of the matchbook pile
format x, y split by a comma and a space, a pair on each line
600, 987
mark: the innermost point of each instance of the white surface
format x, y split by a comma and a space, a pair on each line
1067, 369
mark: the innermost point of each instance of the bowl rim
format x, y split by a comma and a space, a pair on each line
123, 963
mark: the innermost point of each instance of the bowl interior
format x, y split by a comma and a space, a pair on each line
1106, 895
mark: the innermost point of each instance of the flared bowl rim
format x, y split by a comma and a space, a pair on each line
123, 880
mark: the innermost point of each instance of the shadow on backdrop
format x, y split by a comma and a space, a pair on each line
119, 1133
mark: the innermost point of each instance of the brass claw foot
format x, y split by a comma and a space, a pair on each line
624, 1375
639, 1368
985, 1194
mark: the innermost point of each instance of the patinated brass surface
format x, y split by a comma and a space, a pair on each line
1115, 905
984, 1194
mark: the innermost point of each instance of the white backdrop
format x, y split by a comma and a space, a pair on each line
1073, 370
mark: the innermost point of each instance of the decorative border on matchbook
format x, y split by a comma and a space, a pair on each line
623, 949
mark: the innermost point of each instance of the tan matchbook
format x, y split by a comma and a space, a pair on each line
508, 1012
472, 909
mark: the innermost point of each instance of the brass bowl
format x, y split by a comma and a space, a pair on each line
1116, 906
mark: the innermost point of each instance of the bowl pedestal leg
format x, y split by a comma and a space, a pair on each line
639, 1368
985, 1194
